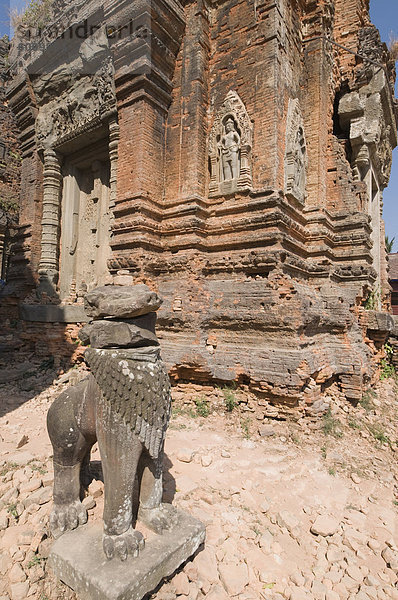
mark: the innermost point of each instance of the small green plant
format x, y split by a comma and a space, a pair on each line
9, 206
12, 510
389, 243
387, 370
230, 399
331, 425
245, 426
367, 400
202, 406
15, 156
9, 466
379, 434
35, 467
256, 530
386, 367
178, 411
323, 451
372, 302
332, 471
354, 424
35, 561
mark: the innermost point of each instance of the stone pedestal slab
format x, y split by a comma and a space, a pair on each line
77, 559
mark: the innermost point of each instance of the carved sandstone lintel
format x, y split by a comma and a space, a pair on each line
230, 148
86, 105
48, 266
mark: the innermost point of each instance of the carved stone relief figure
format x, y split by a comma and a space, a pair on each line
296, 153
230, 147
230, 151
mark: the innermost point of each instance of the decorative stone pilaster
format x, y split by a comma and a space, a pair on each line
2, 253
114, 136
48, 266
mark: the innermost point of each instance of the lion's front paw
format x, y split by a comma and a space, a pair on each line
163, 517
130, 542
67, 516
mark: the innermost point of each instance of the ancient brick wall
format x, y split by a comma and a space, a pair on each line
10, 163
244, 185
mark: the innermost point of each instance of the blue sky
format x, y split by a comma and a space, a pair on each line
4, 17
384, 14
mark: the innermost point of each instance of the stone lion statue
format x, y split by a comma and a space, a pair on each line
124, 404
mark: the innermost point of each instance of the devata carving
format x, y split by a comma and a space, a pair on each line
296, 153
125, 405
230, 151
230, 148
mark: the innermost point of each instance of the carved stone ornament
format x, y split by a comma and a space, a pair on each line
296, 153
368, 115
125, 404
230, 148
82, 107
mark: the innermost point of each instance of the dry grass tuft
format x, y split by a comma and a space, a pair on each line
393, 48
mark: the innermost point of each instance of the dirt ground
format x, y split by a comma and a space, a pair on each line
298, 507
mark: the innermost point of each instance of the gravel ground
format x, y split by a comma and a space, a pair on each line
299, 507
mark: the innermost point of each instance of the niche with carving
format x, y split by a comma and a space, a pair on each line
230, 148
296, 153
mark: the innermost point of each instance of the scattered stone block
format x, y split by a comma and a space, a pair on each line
206, 460
391, 558
185, 455
89, 503
124, 302
5, 562
217, 592
96, 488
40, 496
325, 525
4, 520
234, 577
181, 584
16, 574
23, 441
30, 486
19, 591
266, 431
206, 564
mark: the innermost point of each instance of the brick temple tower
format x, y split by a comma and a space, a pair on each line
230, 154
